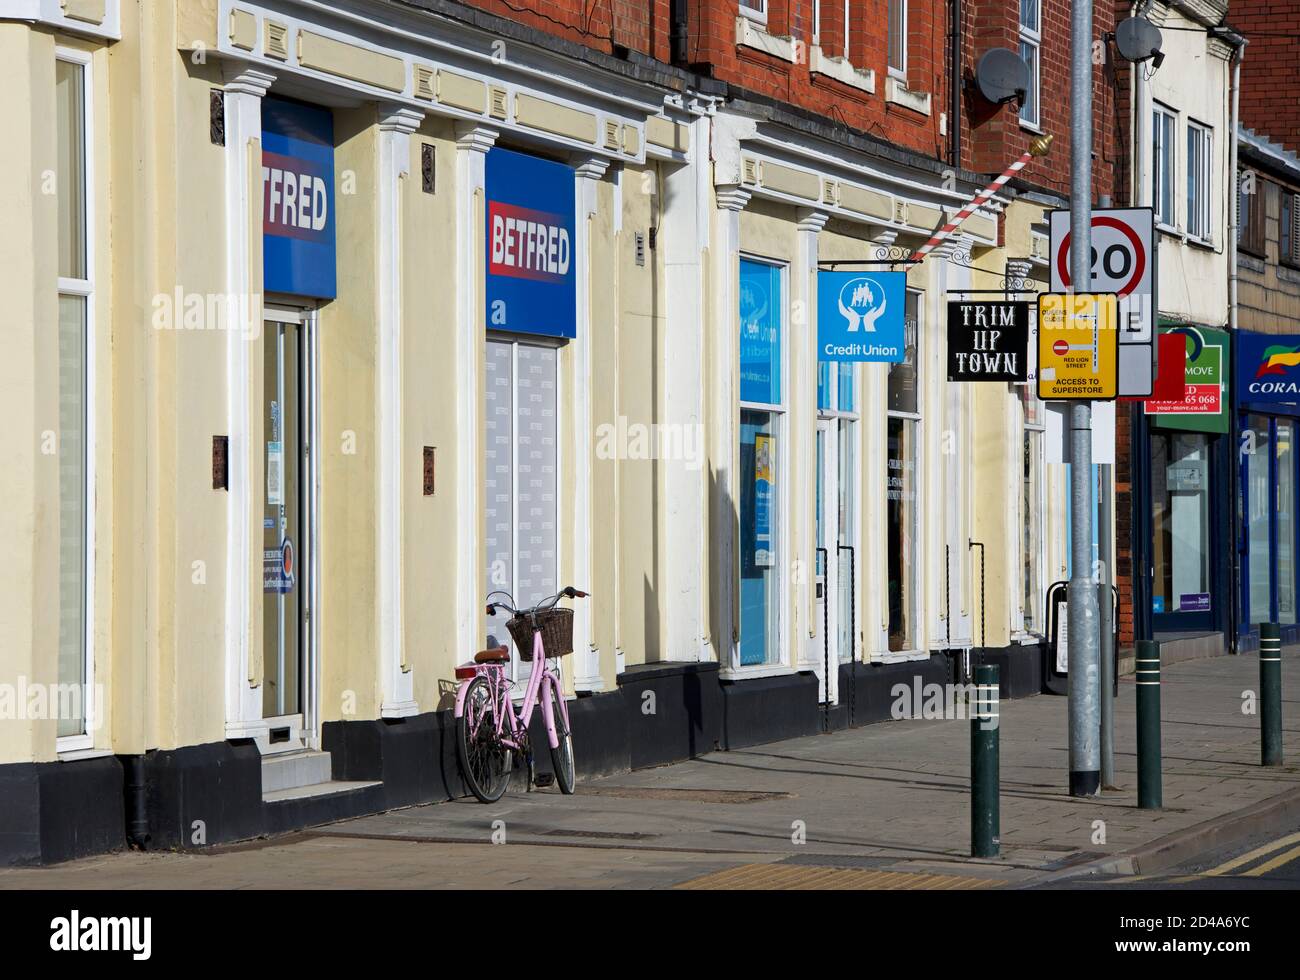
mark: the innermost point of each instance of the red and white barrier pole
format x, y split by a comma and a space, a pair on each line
1037, 148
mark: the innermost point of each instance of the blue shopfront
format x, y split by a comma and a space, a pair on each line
1267, 424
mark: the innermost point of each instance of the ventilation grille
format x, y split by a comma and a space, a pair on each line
277, 40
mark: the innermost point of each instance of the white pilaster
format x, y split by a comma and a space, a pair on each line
587, 676
396, 124
724, 409
472, 144
803, 413
245, 88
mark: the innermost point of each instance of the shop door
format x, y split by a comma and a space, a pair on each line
1268, 532
286, 530
827, 636
521, 485
1182, 548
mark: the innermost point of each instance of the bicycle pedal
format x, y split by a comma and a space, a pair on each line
545, 779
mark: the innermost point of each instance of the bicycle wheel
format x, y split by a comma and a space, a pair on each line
484, 761
562, 754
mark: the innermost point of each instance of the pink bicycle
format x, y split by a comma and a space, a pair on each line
490, 734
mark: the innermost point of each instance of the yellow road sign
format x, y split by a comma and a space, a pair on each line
1078, 346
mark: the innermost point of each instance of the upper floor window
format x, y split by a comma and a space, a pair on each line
1030, 38
1288, 239
898, 38
1163, 123
1251, 200
1200, 152
756, 9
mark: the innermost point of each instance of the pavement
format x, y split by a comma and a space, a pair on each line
884, 806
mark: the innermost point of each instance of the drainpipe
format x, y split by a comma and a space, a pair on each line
137, 812
954, 81
1234, 219
678, 32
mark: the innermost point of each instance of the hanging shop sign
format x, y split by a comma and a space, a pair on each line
1123, 263
1077, 346
764, 462
1268, 368
531, 269
1204, 405
860, 316
298, 252
987, 341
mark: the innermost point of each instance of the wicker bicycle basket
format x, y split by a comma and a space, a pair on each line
557, 632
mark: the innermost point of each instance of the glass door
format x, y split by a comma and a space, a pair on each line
1182, 589
286, 521
825, 642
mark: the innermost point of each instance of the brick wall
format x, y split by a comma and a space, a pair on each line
993, 136
1271, 69
606, 25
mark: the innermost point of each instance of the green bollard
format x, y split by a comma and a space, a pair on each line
1147, 676
984, 809
1270, 694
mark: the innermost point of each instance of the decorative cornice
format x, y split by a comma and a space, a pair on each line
244, 79
812, 220
399, 118
476, 137
589, 167
732, 197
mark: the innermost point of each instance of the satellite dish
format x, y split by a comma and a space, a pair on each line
1002, 76
1138, 40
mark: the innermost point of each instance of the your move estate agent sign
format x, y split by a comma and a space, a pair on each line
987, 341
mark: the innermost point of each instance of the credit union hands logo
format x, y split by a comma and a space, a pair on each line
753, 302
862, 302
1276, 360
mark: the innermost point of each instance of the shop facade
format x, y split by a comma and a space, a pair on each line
396, 321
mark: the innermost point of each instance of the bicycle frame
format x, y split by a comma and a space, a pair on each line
540, 683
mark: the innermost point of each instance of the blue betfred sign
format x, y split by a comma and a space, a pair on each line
298, 199
531, 268
1268, 368
860, 316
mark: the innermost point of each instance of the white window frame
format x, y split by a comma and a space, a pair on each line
1202, 210
853, 418
783, 662
755, 10
1038, 426
895, 71
84, 289
1166, 221
1031, 35
918, 467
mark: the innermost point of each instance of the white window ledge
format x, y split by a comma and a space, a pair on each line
898, 93
841, 70
752, 35
751, 671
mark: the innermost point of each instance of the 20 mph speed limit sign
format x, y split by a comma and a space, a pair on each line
1123, 263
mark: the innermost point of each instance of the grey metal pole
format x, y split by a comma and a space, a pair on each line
1107, 618
1084, 709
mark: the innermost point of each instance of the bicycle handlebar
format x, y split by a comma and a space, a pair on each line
568, 592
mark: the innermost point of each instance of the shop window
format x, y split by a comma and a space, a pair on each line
1284, 561
1258, 511
1180, 472
75, 384
1032, 505
762, 459
1030, 39
903, 425
1163, 147
1200, 156
520, 475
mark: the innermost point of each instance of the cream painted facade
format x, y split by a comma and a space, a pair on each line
671, 189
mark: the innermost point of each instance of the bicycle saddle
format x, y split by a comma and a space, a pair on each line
495, 655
